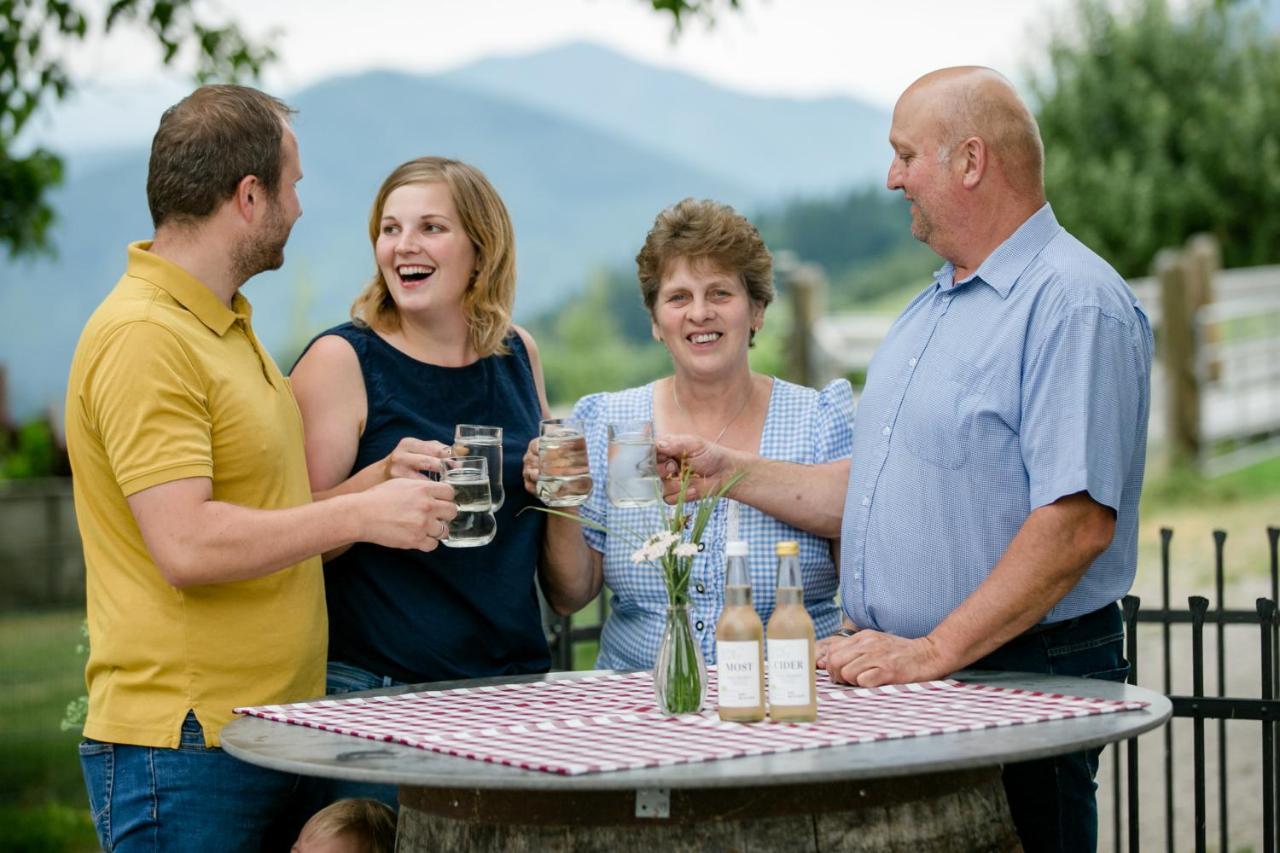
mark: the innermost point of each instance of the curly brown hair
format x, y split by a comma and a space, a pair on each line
705, 231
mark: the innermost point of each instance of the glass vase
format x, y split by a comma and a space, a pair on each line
680, 673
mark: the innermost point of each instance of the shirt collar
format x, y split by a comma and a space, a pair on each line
1002, 268
186, 289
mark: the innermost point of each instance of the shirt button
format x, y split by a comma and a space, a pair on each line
699, 625
885, 431
857, 575
866, 500
700, 588
912, 362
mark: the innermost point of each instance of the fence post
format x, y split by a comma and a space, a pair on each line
1203, 260
1267, 618
1130, 605
807, 286
1178, 352
1219, 573
1199, 605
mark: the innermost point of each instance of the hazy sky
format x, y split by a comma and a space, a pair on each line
862, 48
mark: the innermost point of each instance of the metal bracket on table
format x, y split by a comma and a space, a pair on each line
653, 802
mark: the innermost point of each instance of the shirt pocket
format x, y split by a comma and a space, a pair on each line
937, 416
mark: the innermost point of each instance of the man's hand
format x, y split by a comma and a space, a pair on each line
710, 465
824, 645
404, 513
872, 658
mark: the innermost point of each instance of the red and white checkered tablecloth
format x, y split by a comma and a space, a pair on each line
610, 722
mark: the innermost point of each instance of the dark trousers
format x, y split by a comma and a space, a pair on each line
315, 792
1053, 799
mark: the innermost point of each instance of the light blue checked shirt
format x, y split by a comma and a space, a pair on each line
991, 397
802, 425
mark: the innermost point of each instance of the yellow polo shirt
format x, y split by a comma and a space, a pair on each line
168, 383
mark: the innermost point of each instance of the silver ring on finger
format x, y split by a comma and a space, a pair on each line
444, 529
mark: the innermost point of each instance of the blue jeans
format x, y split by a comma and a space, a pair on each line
1053, 800
193, 798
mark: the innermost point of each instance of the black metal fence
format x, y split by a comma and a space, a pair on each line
1200, 707
562, 635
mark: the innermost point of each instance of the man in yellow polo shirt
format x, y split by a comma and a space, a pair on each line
204, 590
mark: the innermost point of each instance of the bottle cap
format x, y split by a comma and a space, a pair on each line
787, 548
736, 548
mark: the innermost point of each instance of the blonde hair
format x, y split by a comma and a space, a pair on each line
374, 823
488, 300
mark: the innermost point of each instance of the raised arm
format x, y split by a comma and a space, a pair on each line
196, 540
571, 572
809, 497
329, 387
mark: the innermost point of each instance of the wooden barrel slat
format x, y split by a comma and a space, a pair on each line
957, 811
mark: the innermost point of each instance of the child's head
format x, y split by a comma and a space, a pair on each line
349, 826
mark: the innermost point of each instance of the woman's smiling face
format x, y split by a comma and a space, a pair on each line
425, 256
704, 316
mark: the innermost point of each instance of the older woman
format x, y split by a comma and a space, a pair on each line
431, 345
706, 278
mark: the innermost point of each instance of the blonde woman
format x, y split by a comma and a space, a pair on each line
430, 345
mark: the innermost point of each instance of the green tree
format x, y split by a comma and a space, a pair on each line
35, 38
30, 452
584, 349
682, 10
1159, 124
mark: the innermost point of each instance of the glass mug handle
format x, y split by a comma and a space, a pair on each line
433, 474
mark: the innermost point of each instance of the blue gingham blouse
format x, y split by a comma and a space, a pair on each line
802, 425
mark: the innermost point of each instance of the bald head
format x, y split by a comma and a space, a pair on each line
971, 101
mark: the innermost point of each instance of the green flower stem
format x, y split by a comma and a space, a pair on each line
683, 678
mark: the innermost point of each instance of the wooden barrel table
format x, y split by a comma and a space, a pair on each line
940, 792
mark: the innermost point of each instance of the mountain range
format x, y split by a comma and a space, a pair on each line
584, 145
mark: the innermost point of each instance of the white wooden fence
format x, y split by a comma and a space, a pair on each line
1233, 328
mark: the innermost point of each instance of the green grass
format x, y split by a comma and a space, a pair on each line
1243, 503
1177, 489
40, 785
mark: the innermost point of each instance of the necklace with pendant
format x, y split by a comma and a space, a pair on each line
675, 396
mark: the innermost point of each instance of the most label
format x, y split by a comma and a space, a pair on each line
738, 673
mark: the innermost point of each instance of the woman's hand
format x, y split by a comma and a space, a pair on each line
413, 457
532, 468
567, 459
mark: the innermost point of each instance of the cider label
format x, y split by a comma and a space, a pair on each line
789, 672
738, 673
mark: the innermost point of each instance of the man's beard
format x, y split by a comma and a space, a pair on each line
263, 251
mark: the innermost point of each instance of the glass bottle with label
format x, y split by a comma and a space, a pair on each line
739, 644
793, 695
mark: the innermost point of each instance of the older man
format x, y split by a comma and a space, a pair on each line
200, 537
988, 517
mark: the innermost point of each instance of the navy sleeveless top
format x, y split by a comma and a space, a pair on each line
446, 614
